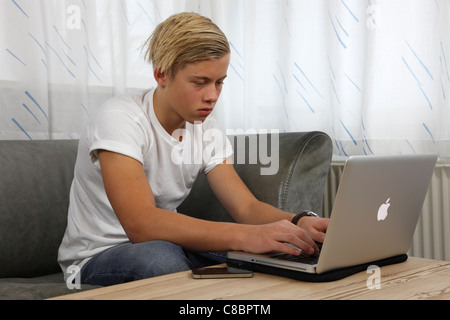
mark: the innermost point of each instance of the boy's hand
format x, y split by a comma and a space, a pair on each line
316, 227
277, 235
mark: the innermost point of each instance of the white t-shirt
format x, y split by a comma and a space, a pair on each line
128, 125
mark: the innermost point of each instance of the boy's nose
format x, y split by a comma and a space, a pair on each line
212, 94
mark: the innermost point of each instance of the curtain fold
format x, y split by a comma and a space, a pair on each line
374, 75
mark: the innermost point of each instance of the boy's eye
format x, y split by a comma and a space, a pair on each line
202, 83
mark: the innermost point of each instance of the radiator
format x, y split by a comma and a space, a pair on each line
432, 236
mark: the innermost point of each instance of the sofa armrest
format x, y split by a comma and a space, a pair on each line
35, 179
303, 162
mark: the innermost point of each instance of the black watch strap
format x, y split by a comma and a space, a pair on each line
301, 214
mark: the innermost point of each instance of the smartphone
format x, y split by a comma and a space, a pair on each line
220, 273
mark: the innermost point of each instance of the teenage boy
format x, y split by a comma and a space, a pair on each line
122, 222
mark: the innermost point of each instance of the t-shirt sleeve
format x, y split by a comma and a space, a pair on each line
117, 131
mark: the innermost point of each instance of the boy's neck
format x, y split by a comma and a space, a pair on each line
168, 120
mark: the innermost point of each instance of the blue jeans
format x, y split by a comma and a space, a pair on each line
128, 262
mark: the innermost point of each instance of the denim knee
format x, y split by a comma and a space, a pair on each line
157, 258
128, 262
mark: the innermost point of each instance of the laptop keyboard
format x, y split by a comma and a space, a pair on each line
302, 258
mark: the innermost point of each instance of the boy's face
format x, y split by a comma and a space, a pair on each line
193, 92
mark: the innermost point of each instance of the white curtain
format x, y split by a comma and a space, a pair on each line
373, 74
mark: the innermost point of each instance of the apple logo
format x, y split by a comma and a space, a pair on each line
383, 210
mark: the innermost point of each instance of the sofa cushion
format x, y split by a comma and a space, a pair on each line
35, 179
36, 288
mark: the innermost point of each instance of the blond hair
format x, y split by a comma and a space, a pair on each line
184, 38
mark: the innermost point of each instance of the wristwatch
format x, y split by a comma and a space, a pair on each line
302, 214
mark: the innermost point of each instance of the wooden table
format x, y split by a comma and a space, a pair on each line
416, 278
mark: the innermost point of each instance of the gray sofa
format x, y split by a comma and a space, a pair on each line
35, 178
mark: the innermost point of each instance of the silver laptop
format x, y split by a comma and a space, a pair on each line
374, 215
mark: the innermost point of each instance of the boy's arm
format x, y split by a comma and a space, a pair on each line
133, 202
245, 208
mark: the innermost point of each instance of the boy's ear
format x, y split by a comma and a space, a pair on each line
160, 77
